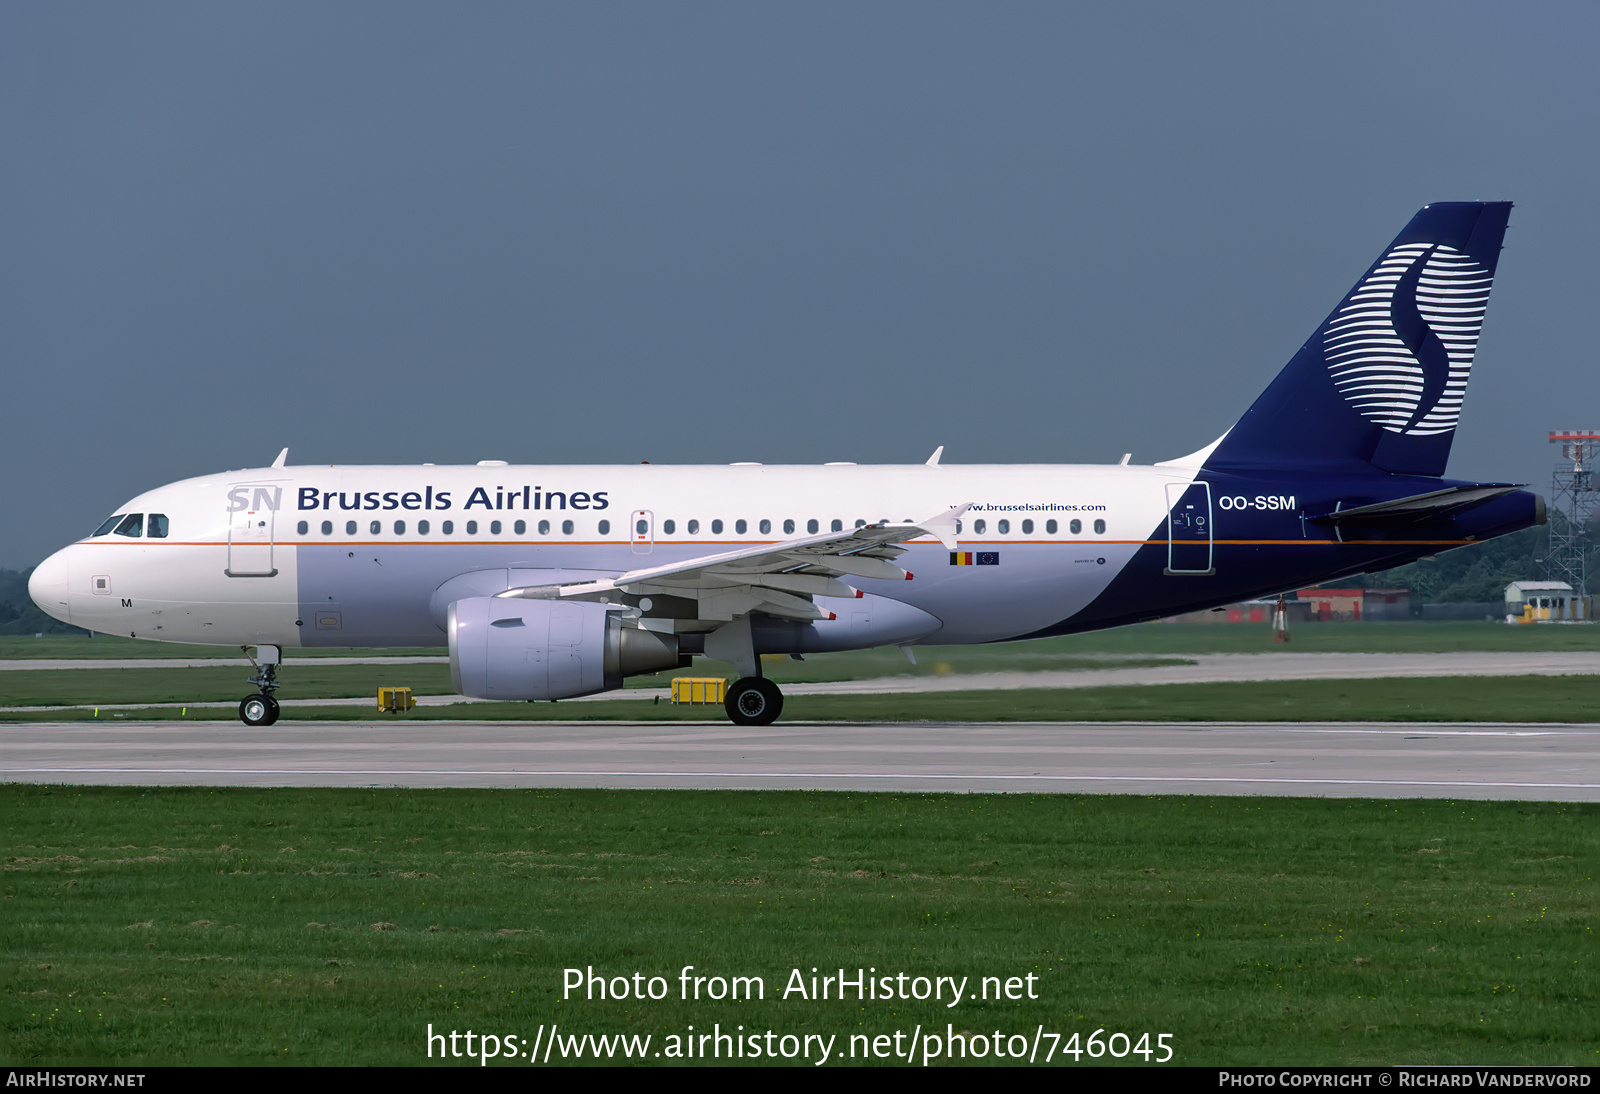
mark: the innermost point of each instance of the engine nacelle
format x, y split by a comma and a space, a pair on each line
507, 648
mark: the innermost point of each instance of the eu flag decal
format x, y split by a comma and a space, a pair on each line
974, 558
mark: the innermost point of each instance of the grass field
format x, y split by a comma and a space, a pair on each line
1426, 699
316, 680
1506, 699
1142, 639
333, 926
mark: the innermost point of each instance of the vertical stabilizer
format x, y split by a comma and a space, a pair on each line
1381, 381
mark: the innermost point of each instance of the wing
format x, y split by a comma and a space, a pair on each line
777, 578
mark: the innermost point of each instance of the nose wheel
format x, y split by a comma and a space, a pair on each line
258, 710
753, 701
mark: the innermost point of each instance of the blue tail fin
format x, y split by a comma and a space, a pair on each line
1380, 383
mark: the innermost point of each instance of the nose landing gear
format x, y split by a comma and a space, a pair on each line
261, 709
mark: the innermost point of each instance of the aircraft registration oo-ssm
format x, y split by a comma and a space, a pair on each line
553, 582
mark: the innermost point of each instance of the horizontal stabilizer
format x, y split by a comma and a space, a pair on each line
1434, 505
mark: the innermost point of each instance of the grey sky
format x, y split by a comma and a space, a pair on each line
396, 233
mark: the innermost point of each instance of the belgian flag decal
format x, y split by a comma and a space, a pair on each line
974, 558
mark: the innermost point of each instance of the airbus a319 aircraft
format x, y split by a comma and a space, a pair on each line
553, 582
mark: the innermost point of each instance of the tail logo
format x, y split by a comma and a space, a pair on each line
1400, 348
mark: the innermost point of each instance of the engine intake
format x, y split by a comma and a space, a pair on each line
504, 648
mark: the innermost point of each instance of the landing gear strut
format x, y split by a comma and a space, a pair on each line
261, 709
754, 701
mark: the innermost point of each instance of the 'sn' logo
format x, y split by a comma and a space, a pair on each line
1400, 348
258, 499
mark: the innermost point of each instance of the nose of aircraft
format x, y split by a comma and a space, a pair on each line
49, 584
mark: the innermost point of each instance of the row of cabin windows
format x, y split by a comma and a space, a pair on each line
154, 526
447, 527
1051, 527
134, 525
642, 527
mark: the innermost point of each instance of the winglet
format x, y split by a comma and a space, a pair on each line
283, 458
943, 526
933, 460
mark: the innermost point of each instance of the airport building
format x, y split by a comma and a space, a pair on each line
1546, 602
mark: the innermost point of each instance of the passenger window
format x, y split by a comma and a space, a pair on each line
1004, 527
788, 527
1099, 527
978, 526
861, 524
448, 527
837, 526
105, 529
739, 526
1027, 527
640, 527
566, 527
605, 527
377, 527
958, 527
472, 527
327, 527
422, 527
716, 527
494, 528
1075, 527
544, 528
694, 527
399, 527
1051, 526
669, 527
349, 527
302, 528
156, 527
520, 527
766, 527
132, 526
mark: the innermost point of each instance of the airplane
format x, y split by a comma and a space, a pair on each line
551, 582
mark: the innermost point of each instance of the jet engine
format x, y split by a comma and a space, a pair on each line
507, 648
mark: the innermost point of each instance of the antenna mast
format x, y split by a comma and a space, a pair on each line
1573, 492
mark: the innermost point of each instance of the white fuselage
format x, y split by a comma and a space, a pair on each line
350, 556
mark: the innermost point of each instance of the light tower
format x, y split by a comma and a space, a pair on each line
1573, 491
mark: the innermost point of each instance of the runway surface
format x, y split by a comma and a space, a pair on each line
1368, 760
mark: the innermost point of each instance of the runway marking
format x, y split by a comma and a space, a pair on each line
783, 775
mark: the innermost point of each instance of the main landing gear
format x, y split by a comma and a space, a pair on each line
261, 709
753, 701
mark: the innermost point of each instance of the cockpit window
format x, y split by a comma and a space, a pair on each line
132, 525
105, 529
157, 526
